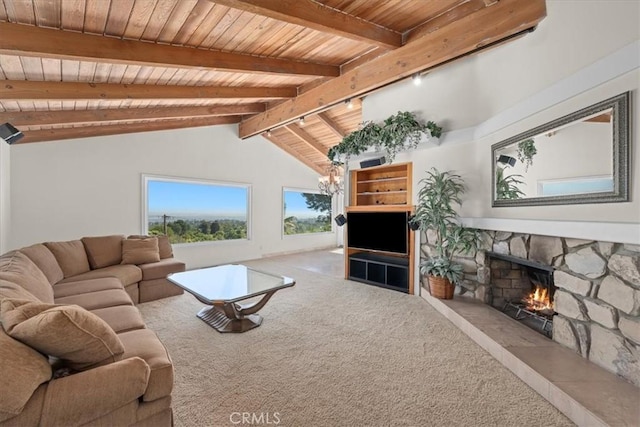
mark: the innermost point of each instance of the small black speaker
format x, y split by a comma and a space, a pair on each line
340, 220
413, 225
507, 160
9, 133
373, 162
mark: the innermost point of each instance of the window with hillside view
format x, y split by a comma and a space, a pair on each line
190, 211
306, 212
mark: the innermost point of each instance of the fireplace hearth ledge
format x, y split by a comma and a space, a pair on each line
587, 394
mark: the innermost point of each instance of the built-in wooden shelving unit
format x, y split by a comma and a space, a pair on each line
381, 186
385, 188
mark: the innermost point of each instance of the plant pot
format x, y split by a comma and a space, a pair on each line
441, 287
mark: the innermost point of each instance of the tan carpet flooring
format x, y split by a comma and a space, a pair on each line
332, 352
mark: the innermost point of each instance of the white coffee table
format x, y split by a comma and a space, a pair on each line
222, 288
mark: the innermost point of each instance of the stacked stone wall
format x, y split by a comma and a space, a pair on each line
597, 297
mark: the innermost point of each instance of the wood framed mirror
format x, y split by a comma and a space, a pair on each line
582, 157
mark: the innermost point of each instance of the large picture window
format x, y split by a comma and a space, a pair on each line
306, 212
191, 211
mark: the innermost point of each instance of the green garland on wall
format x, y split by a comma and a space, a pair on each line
397, 133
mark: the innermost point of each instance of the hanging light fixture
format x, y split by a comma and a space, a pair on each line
331, 183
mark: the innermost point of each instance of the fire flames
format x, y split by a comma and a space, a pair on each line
539, 300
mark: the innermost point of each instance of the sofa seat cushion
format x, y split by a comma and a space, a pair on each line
162, 268
76, 336
71, 256
98, 299
145, 344
127, 274
18, 268
44, 259
151, 290
102, 397
66, 289
103, 251
22, 370
121, 318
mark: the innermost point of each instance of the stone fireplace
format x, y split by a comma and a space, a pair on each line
596, 293
522, 289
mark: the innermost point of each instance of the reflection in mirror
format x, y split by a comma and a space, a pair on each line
580, 158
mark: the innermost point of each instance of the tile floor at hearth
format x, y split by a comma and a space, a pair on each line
586, 393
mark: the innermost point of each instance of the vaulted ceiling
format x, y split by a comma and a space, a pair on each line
82, 68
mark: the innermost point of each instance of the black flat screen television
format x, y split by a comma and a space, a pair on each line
378, 231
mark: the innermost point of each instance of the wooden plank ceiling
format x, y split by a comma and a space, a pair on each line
82, 68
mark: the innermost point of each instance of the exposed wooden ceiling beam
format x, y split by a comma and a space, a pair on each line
89, 131
320, 170
602, 118
26, 118
18, 89
308, 139
459, 38
27, 40
462, 9
311, 14
333, 126
363, 59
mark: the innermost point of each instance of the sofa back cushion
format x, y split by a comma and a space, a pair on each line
22, 370
103, 251
10, 289
71, 257
16, 267
80, 338
164, 246
140, 251
44, 259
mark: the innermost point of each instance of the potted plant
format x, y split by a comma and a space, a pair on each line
356, 142
436, 211
398, 132
525, 152
507, 187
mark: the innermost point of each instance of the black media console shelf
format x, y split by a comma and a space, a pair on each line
380, 270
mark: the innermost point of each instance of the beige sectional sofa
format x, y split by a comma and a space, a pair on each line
74, 349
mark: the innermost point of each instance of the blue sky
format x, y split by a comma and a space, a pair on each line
295, 205
193, 199
179, 198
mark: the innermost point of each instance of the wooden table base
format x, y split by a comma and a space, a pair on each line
218, 320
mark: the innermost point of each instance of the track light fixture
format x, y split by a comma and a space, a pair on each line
301, 121
269, 133
417, 79
349, 104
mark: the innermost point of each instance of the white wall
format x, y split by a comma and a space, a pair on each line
68, 189
5, 196
582, 53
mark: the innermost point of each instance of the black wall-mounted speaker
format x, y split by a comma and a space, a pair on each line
507, 160
373, 162
340, 220
413, 225
9, 133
